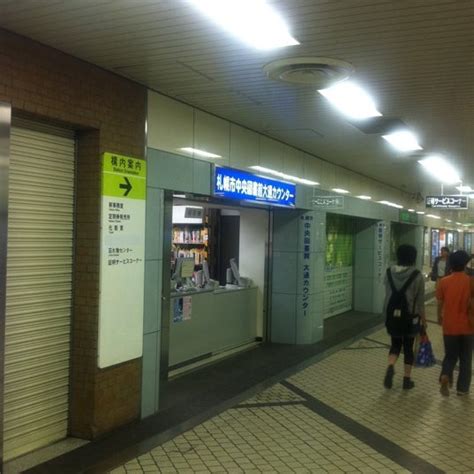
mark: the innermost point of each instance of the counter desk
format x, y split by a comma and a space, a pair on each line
205, 322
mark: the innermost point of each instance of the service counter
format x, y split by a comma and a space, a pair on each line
206, 322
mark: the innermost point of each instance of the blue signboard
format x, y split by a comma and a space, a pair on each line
242, 186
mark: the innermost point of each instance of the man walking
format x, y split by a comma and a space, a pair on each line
441, 266
455, 295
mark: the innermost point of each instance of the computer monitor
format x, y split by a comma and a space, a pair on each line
235, 270
205, 269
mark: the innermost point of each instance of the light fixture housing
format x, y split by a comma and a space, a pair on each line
464, 189
284, 176
200, 153
350, 99
364, 197
440, 169
403, 140
254, 22
340, 191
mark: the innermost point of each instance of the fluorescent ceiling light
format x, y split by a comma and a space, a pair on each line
420, 212
340, 191
433, 216
440, 169
201, 153
449, 220
252, 21
351, 100
391, 204
458, 223
403, 140
411, 210
288, 177
464, 189
365, 198
180, 196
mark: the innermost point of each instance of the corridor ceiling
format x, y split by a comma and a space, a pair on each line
416, 57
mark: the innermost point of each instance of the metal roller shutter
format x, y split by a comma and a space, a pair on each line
39, 287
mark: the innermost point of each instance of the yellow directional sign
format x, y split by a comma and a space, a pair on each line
123, 176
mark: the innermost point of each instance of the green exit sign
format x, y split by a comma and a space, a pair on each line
408, 217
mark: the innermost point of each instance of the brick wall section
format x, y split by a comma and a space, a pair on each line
109, 114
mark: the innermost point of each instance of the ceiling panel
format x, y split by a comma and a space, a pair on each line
415, 56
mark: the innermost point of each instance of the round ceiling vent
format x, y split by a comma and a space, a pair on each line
310, 71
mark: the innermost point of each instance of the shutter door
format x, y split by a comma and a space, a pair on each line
39, 288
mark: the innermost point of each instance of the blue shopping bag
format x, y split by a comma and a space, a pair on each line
425, 356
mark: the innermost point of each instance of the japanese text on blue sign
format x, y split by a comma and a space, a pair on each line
234, 184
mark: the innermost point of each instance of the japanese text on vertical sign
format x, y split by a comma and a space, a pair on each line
379, 257
307, 224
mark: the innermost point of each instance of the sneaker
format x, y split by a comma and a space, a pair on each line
388, 380
408, 383
444, 387
460, 393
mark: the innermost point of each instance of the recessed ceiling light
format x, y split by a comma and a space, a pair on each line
391, 204
440, 169
420, 212
411, 210
201, 153
340, 191
365, 198
288, 177
254, 22
351, 100
464, 189
403, 140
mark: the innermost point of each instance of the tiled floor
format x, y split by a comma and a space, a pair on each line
334, 416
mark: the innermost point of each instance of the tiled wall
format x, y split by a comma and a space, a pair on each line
173, 125
108, 112
153, 292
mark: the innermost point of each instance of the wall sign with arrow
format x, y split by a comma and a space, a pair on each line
122, 261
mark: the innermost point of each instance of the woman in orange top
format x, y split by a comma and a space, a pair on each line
455, 294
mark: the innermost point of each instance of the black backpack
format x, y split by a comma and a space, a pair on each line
399, 318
